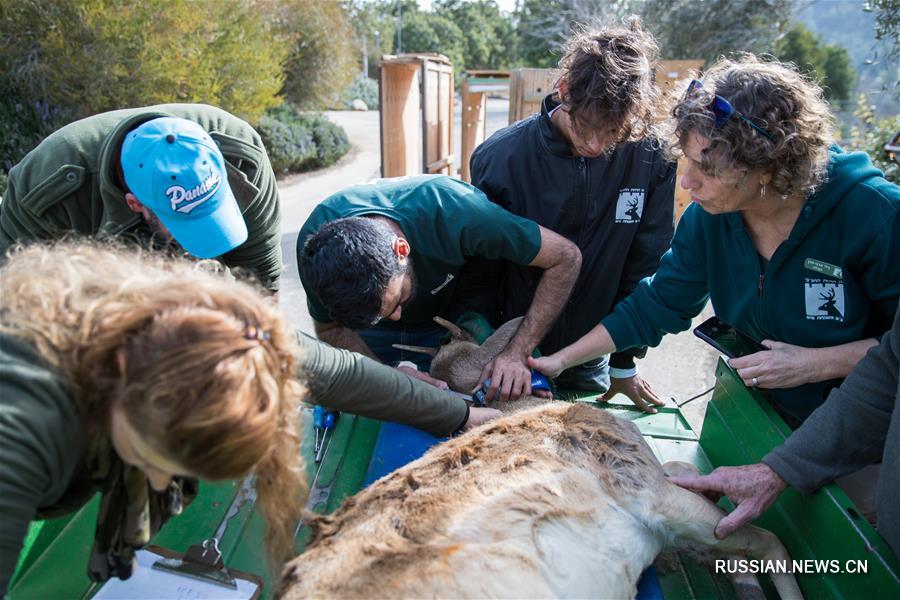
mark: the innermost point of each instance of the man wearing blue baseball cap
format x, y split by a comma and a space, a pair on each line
190, 173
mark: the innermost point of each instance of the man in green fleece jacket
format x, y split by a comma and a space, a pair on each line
190, 172
858, 425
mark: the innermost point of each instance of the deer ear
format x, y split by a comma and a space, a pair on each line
455, 331
501, 337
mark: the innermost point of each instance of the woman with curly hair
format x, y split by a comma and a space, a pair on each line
135, 375
795, 241
589, 167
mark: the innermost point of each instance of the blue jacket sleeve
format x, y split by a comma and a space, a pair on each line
653, 239
667, 301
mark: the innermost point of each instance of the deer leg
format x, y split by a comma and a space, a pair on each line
422, 349
692, 520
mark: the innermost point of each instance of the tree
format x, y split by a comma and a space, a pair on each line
828, 64
543, 26
95, 55
426, 32
323, 57
487, 37
689, 29
374, 25
887, 23
887, 28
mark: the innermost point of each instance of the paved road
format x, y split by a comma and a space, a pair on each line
680, 367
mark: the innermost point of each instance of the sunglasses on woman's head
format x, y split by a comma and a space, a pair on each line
722, 111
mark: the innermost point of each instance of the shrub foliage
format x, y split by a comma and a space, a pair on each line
297, 141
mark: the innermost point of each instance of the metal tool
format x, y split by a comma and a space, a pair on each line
318, 422
203, 561
319, 494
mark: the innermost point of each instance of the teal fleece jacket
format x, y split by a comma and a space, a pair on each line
836, 279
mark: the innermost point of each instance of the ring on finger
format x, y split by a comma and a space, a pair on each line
755, 381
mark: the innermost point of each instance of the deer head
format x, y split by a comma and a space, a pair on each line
460, 361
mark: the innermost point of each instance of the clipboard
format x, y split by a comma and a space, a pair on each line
147, 583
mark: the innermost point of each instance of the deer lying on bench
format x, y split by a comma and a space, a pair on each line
559, 500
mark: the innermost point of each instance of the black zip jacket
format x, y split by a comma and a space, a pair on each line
618, 209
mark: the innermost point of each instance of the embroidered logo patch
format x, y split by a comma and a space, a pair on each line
184, 201
443, 285
630, 205
824, 299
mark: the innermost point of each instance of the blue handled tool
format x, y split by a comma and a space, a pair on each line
538, 382
318, 423
328, 419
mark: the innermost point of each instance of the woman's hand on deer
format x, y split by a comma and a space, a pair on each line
781, 366
415, 374
551, 365
480, 416
637, 390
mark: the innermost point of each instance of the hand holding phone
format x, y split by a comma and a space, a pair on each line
726, 338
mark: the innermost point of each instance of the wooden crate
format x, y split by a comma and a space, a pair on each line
475, 87
527, 88
416, 92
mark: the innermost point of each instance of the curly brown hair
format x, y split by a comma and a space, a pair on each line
609, 79
204, 365
777, 98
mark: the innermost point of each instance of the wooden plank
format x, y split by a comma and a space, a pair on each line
446, 121
668, 74
528, 87
400, 106
473, 127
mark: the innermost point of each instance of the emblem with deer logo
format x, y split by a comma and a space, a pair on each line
630, 205
824, 299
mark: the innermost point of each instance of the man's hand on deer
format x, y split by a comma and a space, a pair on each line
753, 488
415, 374
509, 375
637, 390
480, 416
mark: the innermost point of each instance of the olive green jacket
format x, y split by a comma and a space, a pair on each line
43, 469
69, 183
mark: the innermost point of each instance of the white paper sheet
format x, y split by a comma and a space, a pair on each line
152, 584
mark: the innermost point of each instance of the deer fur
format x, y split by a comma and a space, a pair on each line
461, 361
559, 500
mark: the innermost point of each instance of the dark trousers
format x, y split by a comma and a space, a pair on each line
592, 376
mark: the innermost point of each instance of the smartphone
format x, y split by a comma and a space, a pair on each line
726, 338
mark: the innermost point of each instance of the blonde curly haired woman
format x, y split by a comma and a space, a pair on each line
135, 375
795, 241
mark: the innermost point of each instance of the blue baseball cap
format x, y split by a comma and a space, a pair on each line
176, 170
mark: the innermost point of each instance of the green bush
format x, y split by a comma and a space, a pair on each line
872, 134
324, 56
91, 56
297, 141
363, 87
23, 125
